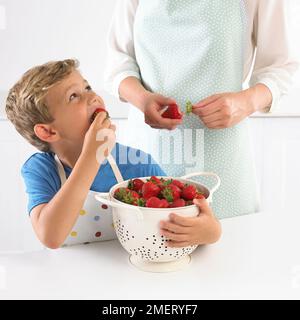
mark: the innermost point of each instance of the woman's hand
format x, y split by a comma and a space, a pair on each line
153, 107
228, 109
223, 110
187, 231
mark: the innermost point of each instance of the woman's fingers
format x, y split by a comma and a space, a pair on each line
211, 118
207, 101
154, 119
209, 109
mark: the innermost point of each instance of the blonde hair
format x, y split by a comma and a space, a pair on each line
25, 104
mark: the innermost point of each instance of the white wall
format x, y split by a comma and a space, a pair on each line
35, 31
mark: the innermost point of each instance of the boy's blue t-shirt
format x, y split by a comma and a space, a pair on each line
43, 182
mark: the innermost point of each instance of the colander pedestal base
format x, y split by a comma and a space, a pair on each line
169, 266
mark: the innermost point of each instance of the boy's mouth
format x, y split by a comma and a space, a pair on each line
98, 110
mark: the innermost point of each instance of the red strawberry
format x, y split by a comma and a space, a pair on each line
199, 196
139, 202
154, 202
177, 203
136, 185
171, 193
98, 110
134, 194
172, 112
164, 203
178, 184
189, 192
150, 189
120, 193
155, 180
126, 195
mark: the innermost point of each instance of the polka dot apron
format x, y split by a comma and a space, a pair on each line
94, 222
189, 50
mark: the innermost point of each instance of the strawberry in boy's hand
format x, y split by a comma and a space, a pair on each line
172, 112
98, 110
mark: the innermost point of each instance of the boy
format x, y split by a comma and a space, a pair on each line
52, 106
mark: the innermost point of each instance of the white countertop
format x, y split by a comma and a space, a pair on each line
258, 257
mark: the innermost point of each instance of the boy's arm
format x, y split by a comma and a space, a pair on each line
53, 221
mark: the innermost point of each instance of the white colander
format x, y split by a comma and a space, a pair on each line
138, 230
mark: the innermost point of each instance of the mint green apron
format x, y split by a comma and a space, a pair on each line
189, 50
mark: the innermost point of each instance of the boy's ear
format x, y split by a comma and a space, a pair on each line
46, 133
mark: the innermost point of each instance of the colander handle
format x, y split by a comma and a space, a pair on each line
205, 174
103, 198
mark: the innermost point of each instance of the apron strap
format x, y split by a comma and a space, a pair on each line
61, 170
115, 168
110, 159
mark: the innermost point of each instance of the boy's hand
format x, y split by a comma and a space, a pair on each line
99, 139
154, 105
187, 231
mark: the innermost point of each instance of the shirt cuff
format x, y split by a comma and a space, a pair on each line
119, 78
275, 94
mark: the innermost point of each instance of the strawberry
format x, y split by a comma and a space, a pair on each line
171, 193
178, 203
120, 193
140, 202
154, 202
178, 184
136, 185
164, 203
189, 192
172, 112
199, 196
98, 110
150, 189
155, 180
126, 195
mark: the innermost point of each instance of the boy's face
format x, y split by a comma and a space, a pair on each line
72, 103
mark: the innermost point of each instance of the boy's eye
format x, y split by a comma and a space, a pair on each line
88, 88
73, 96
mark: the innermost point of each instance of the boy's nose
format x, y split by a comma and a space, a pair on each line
95, 100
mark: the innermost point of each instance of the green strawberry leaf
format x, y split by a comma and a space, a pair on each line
188, 108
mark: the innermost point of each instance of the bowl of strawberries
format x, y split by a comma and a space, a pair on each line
138, 207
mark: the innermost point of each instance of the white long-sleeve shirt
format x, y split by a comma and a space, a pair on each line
268, 49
